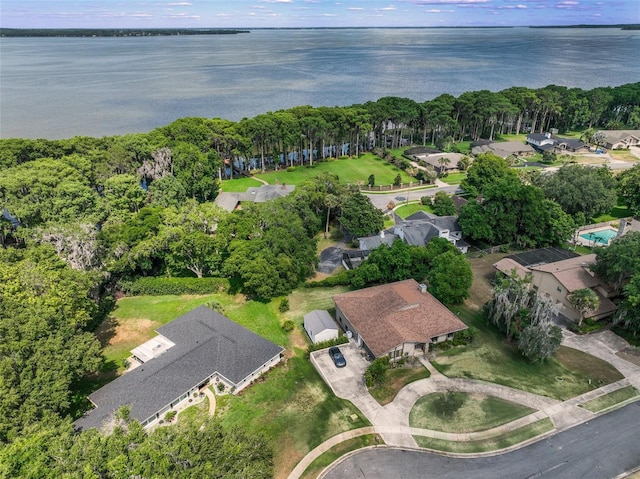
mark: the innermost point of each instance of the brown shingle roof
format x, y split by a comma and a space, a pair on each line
391, 314
572, 273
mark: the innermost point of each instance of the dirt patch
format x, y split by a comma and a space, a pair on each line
483, 274
297, 340
286, 457
131, 330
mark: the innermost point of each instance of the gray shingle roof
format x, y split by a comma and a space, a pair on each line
205, 342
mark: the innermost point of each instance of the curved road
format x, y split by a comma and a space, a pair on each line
599, 449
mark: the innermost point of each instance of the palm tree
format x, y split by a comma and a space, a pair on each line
330, 201
585, 301
444, 161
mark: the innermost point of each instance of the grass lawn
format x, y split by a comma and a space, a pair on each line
493, 359
617, 212
337, 451
407, 210
506, 440
521, 137
348, 170
292, 406
609, 400
239, 184
395, 380
623, 155
454, 178
477, 413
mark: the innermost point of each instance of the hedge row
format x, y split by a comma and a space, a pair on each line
161, 286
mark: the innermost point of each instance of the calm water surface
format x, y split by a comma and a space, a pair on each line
63, 87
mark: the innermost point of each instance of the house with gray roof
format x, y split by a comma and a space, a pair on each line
421, 227
198, 349
230, 201
549, 142
503, 149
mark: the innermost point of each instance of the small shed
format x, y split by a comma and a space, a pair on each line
320, 326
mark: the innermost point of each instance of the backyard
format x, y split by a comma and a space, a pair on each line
291, 404
349, 170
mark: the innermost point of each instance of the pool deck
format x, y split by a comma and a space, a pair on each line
579, 240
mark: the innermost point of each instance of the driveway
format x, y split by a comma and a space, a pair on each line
347, 382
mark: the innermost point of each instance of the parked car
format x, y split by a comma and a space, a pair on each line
338, 358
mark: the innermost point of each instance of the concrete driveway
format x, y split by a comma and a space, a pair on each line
347, 382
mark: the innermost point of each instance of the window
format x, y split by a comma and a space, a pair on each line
559, 289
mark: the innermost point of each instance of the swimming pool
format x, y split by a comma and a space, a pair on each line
600, 237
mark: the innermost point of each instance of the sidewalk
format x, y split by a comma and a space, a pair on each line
391, 421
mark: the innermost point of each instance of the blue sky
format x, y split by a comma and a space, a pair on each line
311, 13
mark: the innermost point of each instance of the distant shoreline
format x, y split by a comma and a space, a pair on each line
114, 32
151, 32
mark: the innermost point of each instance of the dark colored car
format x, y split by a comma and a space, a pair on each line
338, 358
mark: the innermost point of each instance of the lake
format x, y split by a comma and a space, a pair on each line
64, 87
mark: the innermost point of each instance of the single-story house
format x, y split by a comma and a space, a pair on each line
230, 201
419, 228
320, 326
199, 348
559, 279
396, 319
549, 142
621, 139
441, 161
368, 243
503, 149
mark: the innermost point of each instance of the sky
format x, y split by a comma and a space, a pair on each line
311, 13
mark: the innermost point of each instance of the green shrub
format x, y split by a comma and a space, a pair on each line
215, 305
170, 415
288, 326
283, 307
425, 200
376, 371
220, 387
397, 180
164, 286
291, 168
326, 344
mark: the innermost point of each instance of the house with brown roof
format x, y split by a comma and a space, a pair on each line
621, 139
558, 280
396, 319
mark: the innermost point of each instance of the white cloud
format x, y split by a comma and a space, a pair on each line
355, 9
179, 4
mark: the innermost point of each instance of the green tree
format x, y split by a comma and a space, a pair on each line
581, 189
123, 195
585, 300
485, 170
443, 205
450, 277
45, 310
617, 263
360, 217
629, 189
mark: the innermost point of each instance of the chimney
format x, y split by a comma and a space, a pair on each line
547, 135
422, 287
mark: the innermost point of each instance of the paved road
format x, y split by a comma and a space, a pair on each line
381, 200
599, 449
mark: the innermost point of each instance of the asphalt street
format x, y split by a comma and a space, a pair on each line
599, 449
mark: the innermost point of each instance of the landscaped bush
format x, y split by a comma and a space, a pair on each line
376, 371
291, 168
170, 416
283, 307
288, 326
327, 344
587, 326
425, 200
165, 286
